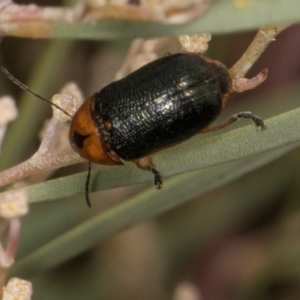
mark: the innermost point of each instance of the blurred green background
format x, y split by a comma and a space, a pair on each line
240, 240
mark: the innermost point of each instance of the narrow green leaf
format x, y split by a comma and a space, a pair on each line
146, 205
222, 148
224, 17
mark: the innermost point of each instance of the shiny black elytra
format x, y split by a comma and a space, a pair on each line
163, 103
160, 105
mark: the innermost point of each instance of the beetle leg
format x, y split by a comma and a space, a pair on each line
157, 177
259, 123
146, 164
87, 185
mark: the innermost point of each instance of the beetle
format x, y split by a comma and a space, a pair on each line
160, 105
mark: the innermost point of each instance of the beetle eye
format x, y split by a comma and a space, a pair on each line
79, 139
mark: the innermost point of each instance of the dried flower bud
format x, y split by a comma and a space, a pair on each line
17, 289
13, 204
72, 88
69, 99
196, 43
68, 103
8, 110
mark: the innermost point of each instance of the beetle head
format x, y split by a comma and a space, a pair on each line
85, 137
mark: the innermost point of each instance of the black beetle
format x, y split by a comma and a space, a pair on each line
160, 105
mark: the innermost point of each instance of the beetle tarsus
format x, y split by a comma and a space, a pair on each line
157, 177
259, 123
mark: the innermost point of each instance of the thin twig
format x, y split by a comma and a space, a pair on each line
38, 164
263, 38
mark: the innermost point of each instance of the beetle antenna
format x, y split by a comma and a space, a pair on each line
27, 89
87, 183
